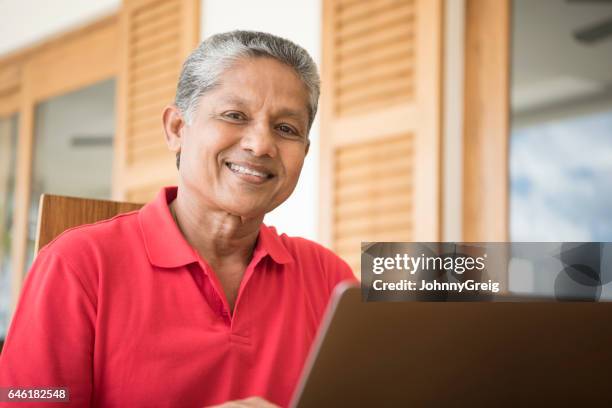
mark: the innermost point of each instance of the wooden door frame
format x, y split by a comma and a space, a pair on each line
486, 124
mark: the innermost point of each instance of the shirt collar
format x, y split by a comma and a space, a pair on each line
271, 243
167, 248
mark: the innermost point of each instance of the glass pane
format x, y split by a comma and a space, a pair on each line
73, 148
562, 180
561, 141
8, 155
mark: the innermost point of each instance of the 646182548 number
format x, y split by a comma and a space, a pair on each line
30, 394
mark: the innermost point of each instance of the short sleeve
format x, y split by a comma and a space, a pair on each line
339, 271
50, 339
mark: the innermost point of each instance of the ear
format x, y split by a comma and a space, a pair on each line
173, 127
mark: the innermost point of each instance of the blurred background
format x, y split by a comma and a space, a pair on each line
440, 120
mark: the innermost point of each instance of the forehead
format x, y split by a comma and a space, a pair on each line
261, 81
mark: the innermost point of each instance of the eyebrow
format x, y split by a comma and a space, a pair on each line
285, 112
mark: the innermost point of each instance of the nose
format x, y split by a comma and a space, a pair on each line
259, 140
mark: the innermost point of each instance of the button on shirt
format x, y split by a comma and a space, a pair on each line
125, 313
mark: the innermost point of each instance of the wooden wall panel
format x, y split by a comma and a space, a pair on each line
9, 103
156, 37
10, 75
381, 112
373, 54
10, 82
75, 61
486, 121
142, 194
366, 174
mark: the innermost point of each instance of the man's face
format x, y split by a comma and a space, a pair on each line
244, 150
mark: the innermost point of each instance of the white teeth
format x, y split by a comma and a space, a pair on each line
245, 170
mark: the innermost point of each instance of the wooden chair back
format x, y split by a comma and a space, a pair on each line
58, 213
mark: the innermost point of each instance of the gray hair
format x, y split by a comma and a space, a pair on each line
204, 66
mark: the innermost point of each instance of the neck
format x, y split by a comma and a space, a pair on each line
219, 237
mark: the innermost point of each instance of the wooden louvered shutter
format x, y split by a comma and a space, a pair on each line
10, 77
156, 35
381, 107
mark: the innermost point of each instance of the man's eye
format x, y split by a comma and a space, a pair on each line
234, 115
287, 129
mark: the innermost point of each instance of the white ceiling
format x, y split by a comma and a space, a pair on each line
24, 23
548, 65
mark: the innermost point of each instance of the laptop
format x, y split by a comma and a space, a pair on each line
507, 352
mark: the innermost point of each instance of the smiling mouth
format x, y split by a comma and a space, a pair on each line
248, 171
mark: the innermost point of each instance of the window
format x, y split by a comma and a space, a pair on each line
73, 148
561, 140
561, 173
8, 153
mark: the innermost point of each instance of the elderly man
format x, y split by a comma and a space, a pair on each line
192, 300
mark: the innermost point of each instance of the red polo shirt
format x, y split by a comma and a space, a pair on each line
125, 313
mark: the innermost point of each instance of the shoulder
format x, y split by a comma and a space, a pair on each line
85, 243
313, 257
96, 232
85, 252
304, 248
